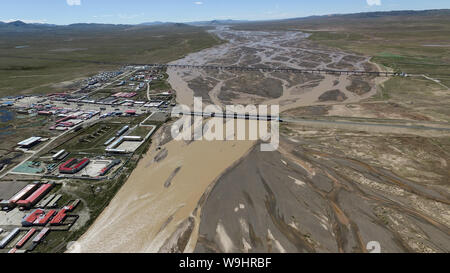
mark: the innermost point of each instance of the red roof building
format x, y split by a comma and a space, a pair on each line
25, 238
73, 165
66, 124
59, 218
36, 196
72, 206
64, 119
43, 219
31, 218
12, 250
45, 113
24, 193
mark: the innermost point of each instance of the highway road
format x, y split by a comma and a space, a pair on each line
331, 123
370, 124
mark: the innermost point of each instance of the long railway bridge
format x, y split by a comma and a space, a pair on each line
279, 69
227, 68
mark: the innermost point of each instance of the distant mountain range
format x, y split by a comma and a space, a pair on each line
156, 23
378, 14
19, 26
22, 27
217, 22
199, 23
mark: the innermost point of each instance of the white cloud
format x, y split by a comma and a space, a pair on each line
374, 2
198, 3
73, 2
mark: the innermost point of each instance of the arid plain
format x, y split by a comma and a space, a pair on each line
335, 184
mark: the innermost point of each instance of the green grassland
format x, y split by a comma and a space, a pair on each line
91, 139
63, 54
22, 127
410, 42
141, 131
161, 84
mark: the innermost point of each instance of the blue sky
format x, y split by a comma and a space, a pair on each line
138, 11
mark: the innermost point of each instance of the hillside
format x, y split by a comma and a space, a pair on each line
23, 70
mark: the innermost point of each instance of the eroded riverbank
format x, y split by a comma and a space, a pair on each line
273, 49
156, 210
160, 196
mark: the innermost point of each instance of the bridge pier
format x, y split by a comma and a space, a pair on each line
276, 69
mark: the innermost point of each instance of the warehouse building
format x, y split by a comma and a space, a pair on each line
29, 142
41, 235
9, 237
60, 155
123, 130
72, 205
35, 196
54, 201
43, 203
25, 238
109, 141
5, 204
114, 147
111, 165
22, 194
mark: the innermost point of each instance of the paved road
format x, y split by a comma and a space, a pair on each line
33, 153
429, 126
381, 125
436, 81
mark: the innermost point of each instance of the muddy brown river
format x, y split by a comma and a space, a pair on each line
159, 208
273, 49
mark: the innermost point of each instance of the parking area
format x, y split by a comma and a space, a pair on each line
9, 188
12, 218
129, 146
94, 168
